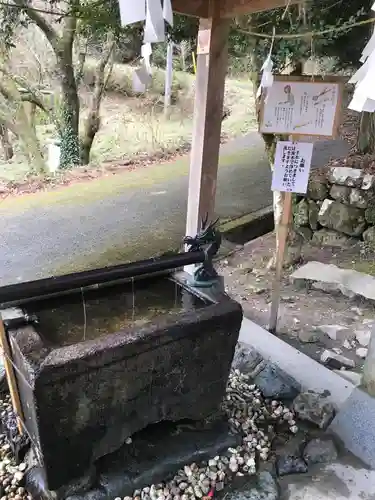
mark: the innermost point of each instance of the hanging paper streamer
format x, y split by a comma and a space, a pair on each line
364, 93
154, 28
267, 76
151, 11
146, 52
141, 79
167, 12
154, 14
142, 75
132, 11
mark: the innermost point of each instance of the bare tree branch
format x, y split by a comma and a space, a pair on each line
40, 21
92, 122
68, 33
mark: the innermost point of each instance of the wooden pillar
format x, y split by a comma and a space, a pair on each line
208, 111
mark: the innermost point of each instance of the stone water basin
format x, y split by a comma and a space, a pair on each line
104, 364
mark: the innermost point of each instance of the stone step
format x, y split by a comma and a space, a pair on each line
332, 279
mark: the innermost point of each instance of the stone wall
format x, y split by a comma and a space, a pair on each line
339, 207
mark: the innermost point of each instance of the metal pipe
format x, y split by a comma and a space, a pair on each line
20, 292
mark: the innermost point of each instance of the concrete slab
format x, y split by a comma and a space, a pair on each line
344, 479
354, 425
353, 377
329, 277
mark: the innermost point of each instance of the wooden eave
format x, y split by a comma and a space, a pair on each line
228, 8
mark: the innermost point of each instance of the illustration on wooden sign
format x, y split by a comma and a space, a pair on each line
300, 108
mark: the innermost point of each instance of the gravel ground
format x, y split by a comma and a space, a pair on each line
258, 420
268, 428
11, 474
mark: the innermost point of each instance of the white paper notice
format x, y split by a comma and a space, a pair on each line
154, 28
167, 12
292, 166
132, 11
300, 108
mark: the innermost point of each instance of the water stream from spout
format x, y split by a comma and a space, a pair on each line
84, 314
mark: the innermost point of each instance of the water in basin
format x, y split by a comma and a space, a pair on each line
92, 314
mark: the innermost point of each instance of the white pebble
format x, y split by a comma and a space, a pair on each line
198, 492
212, 475
18, 476
219, 486
233, 467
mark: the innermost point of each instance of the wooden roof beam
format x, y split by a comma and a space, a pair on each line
228, 8
195, 8
231, 8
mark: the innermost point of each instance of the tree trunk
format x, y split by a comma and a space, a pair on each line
5, 142
366, 133
61, 42
69, 121
92, 122
82, 46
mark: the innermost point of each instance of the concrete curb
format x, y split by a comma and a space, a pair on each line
248, 226
309, 373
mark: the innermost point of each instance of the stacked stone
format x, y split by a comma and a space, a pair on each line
338, 208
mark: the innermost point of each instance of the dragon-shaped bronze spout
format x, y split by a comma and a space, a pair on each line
207, 240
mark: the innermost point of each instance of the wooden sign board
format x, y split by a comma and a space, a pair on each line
300, 106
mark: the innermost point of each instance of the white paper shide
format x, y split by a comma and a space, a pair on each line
364, 93
266, 69
292, 166
153, 13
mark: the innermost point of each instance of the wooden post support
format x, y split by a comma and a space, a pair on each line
11, 378
208, 113
283, 237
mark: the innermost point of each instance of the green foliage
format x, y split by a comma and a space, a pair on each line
318, 15
184, 28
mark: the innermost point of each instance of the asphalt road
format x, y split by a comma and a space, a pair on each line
130, 216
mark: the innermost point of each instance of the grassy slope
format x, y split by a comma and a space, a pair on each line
131, 124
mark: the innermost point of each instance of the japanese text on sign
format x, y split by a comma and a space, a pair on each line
300, 108
292, 166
